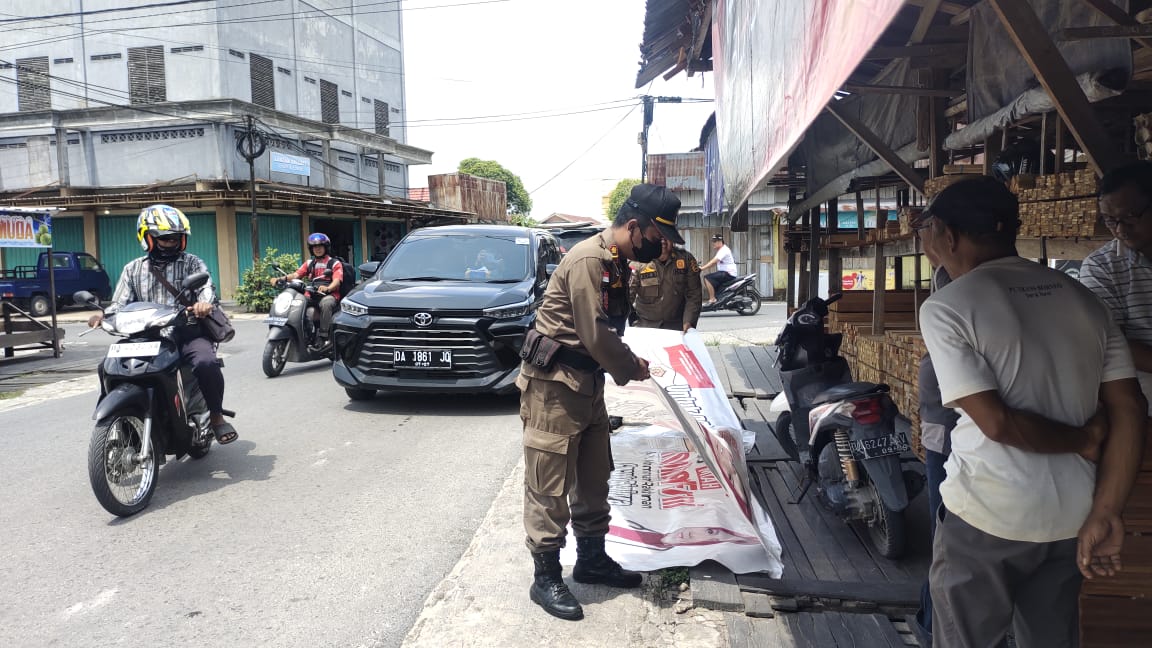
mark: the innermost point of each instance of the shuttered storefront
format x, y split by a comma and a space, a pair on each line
202, 242
118, 245
276, 231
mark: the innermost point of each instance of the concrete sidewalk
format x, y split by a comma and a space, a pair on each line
483, 602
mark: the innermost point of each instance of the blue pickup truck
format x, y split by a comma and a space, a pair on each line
28, 286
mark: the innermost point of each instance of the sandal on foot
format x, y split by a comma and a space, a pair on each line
225, 433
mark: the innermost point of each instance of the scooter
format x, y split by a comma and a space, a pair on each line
150, 403
294, 326
739, 295
843, 432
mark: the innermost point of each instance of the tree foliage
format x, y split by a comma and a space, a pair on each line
518, 200
618, 196
255, 292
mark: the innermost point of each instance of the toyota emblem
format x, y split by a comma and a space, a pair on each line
422, 319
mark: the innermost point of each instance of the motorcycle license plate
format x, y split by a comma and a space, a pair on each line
882, 446
422, 358
276, 321
134, 350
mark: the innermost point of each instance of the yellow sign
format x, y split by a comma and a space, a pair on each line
866, 280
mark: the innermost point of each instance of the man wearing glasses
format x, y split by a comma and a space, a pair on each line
1120, 273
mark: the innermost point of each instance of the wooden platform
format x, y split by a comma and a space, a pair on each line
746, 371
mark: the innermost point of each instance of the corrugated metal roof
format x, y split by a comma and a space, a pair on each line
669, 27
677, 171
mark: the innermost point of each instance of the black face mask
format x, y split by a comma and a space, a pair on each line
160, 254
648, 250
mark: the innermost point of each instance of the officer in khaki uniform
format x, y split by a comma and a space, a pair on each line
668, 291
567, 451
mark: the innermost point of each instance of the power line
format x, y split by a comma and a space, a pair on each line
103, 11
586, 151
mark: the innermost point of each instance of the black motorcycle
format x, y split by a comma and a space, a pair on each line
843, 432
150, 403
738, 295
294, 326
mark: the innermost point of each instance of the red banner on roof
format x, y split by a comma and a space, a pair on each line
776, 65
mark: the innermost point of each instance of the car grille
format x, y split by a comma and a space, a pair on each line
472, 357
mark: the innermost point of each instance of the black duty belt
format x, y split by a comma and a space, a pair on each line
577, 360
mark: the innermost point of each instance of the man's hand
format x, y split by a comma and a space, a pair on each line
641, 369
1095, 433
95, 320
324, 289
687, 327
200, 309
1099, 543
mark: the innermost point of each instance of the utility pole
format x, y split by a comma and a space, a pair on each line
252, 145
649, 103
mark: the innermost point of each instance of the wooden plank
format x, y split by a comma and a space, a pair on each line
946, 93
881, 149
1105, 32
895, 594
758, 605
924, 21
943, 51
768, 448
1110, 622
1050, 68
792, 554
1118, 16
826, 558
754, 373
807, 632
756, 633
741, 388
721, 369
766, 358
714, 587
872, 630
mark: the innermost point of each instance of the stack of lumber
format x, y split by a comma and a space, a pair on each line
933, 186
1143, 135
856, 308
908, 216
902, 373
1117, 611
1057, 205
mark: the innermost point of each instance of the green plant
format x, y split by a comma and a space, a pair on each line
256, 292
522, 220
673, 577
618, 196
519, 202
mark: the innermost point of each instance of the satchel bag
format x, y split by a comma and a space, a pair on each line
215, 325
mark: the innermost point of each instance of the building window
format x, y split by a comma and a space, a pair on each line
146, 80
366, 100
105, 57
61, 61
381, 114
283, 70
329, 102
32, 89
238, 55
263, 83
309, 80
187, 48
345, 159
6, 66
346, 93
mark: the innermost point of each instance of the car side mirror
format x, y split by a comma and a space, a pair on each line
549, 269
368, 269
195, 281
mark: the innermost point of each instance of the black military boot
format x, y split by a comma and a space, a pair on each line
549, 590
595, 567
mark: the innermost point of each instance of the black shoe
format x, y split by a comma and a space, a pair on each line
549, 590
595, 567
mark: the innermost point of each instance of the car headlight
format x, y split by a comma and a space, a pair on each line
354, 309
509, 311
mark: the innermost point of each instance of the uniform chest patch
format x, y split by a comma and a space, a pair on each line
679, 264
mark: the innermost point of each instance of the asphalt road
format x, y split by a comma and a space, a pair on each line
326, 524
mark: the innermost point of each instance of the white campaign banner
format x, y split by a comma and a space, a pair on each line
680, 493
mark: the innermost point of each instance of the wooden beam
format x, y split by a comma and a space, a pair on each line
945, 50
1050, 68
1118, 16
902, 90
950, 8
882, 150
1111, 31
702, 35
928, 11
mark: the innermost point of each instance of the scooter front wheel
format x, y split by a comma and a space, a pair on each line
122, 480
275, 357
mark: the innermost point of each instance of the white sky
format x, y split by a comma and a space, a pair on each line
525, 56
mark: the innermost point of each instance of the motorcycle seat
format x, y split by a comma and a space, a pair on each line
849, 391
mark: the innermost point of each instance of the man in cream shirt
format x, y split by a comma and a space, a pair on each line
1033, 495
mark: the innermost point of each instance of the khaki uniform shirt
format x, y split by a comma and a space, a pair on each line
581, 292
669, 291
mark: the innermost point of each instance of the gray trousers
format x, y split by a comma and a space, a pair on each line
983, 586
328, 308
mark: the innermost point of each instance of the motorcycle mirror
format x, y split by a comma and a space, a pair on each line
195, 281
834, 298
368, 269
85, 297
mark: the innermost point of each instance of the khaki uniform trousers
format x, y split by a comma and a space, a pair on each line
567, 463
668, 325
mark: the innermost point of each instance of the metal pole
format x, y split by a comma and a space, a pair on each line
52, 299
252, 197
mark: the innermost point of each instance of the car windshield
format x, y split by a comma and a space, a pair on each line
458, 257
